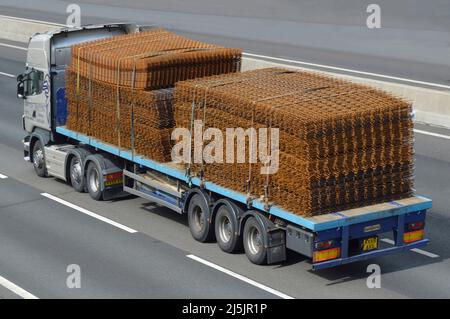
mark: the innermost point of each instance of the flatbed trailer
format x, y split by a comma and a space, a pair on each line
345, 226
214, 212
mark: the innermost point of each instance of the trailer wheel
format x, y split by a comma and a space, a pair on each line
76, 174
226, 230
39, 159
254, 239
198, 213
93, 181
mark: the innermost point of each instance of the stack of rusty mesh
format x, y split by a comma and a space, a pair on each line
119, 89
152, 59
341, 145
130, 119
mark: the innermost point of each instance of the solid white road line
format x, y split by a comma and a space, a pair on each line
432, 134
3, 176
425, 253
240, 277
416, 250
288, 61
347, 70
87, 212
13, 46
8, 75
31, 20
16, 289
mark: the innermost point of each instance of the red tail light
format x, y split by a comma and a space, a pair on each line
324, 244
415, 226
114, 179
114, 176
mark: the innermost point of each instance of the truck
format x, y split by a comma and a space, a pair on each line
214, 212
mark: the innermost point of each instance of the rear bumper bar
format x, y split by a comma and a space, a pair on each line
368, 255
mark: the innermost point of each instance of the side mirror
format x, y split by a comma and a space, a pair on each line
21, 87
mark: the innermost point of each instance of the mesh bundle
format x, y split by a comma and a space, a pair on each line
153, 59
119, 88
342, 145
130, 119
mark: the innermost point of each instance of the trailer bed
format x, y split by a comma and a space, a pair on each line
316, 223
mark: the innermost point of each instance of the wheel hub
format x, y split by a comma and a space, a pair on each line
225, 229
198, 218
94, 181
38, 159
255, 241
75, 172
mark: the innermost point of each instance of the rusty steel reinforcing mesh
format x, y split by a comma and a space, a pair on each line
119, 88
151, 60
342, 145
138, 120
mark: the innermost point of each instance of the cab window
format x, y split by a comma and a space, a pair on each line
34, 83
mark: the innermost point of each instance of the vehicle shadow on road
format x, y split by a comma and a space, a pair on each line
292, 258
388, 264
354, 271
166, 213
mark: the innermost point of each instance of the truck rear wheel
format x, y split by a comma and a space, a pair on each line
93, 181
39, 159
254, 239
198, 214
226, 230
76, 174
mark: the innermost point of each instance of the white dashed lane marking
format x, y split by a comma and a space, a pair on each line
416, 250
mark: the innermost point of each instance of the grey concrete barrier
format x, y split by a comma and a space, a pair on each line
432, 106
20, 30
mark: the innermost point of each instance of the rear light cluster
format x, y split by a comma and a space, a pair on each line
415, 226
324, 244
330, 249
327, 254
113, 179
326, 250
414, 232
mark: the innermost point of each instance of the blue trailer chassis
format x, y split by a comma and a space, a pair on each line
346, 226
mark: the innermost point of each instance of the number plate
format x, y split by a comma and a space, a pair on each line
369, 243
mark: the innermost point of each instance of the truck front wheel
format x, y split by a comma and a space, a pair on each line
254, 239
93, 181
39, 159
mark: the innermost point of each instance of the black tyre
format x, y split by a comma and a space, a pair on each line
198, 214
76, 174
39, 159
93, 181
226, 230
254, 238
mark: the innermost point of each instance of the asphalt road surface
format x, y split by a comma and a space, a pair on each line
40, 238
413, 41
